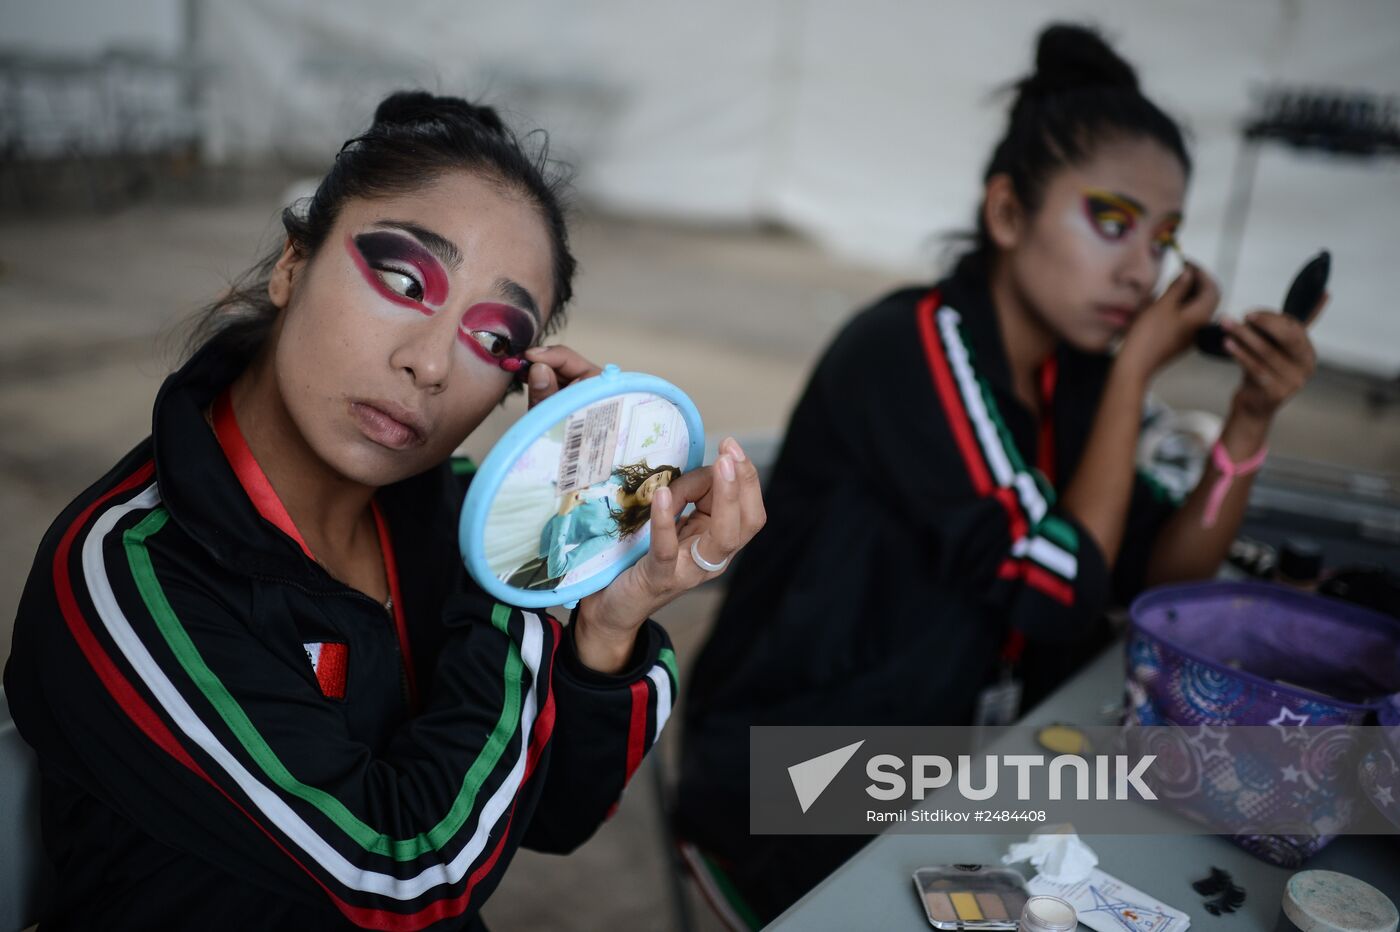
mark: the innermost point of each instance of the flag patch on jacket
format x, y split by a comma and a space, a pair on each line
329, 660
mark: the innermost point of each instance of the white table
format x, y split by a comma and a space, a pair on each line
874, 890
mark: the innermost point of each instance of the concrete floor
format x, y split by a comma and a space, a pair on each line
90, 303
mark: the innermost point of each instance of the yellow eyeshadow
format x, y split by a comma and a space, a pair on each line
1111, 200
966, 905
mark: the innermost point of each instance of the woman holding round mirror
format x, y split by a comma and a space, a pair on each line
262, 689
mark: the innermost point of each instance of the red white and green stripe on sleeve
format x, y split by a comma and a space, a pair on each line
1044, 547
651, 707
521, 715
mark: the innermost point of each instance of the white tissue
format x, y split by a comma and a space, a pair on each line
1059, 857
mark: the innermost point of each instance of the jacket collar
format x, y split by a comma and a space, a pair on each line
967, 291
1079, 376
204, 497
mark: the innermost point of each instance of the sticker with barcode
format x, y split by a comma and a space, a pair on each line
589, 440
573, 502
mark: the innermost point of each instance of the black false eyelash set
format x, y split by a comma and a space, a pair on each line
1228, 895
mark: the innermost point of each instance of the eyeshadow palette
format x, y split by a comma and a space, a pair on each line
971, 896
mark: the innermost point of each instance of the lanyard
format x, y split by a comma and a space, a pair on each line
1045, 447
265, 500
1015, 644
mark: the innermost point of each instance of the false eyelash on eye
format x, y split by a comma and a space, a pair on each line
1112, 215
414, 283
506, 345
1104, 218
395, 270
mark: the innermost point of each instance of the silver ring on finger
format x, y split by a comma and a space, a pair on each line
704, 564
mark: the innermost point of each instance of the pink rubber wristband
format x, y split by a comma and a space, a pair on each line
1229, 471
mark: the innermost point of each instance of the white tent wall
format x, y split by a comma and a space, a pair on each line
662, 114
895, 114
73, 26
864, 126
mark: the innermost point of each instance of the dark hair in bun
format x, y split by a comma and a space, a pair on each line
1081, 94
415, 138
1069, 58
420, 109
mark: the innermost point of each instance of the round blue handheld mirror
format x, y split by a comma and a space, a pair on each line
561, 505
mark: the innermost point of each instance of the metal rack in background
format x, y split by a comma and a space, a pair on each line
1353, 515
96, 131
1348, 124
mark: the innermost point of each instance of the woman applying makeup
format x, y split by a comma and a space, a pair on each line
956, 502
262, 689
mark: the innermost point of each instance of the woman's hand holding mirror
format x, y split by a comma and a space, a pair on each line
728, 513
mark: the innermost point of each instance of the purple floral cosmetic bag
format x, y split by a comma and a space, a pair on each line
1208, 655
1380, 768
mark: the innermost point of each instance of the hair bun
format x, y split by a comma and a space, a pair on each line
1071, 57
416, 108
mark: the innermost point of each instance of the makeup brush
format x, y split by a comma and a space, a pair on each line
517, 366
1186, 266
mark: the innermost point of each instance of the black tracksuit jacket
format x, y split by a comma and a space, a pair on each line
198, 770
913, 525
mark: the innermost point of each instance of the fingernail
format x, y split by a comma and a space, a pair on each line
726, 468
663, 498
736, 451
